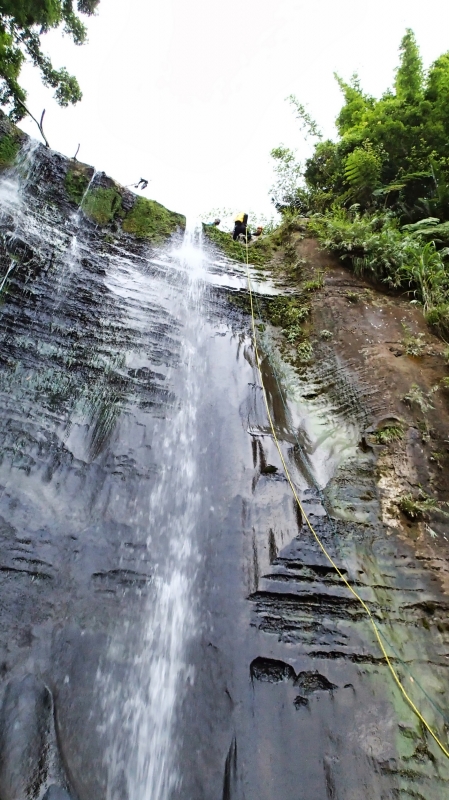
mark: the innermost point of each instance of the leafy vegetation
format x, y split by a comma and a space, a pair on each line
378, 196
420, 506
305, 351
388, 434
314, 284
22, 24
413, 345
9, 148
416, 397
150, 220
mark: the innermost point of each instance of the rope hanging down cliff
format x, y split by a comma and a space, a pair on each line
317, 538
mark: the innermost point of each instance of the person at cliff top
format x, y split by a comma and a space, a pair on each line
258, 231
142, 184
213, 224
241, 227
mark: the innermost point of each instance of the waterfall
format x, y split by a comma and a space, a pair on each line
12, 191
170, 627
75, 246
143, 758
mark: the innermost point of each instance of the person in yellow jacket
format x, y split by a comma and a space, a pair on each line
241, 226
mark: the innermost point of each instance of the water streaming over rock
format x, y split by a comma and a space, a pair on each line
148, 697
169, 628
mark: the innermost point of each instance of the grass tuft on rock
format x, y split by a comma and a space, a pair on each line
150, 220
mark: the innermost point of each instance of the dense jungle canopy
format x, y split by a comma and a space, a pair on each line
391, 152
379, 194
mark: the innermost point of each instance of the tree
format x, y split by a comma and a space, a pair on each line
390, 152
356, 104
287, 191
362, 172
409, 74
22, 24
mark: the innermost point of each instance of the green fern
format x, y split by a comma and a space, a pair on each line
362, 169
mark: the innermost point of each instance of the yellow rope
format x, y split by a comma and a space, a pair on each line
317, 538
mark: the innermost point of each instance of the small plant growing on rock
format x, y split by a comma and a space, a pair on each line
413, 345
326, 334
353, 297
416, 396
419, 507
437, 458
293, 333
314, 284
305, 351
444, 382
391, 433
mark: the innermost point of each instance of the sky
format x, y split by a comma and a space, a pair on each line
191, 95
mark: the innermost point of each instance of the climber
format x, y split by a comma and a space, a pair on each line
258, 231
241, 227
213, 224
143, 186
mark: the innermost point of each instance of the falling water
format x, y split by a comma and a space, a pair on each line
146, 762
12, 189
86, 192
73, 252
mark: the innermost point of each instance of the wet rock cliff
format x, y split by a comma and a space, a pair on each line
169, 627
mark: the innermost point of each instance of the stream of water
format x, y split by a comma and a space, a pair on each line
149, 697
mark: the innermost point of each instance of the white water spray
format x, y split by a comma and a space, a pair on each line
147, 762
12, 188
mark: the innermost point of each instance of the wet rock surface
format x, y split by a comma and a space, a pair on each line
169, 626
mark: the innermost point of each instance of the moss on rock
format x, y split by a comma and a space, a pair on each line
259, 252
76, 182
102, 205
150, 220
9, 147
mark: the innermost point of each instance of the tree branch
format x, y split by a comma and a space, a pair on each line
39, 124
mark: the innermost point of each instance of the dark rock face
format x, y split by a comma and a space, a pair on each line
29, 752
169, 627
